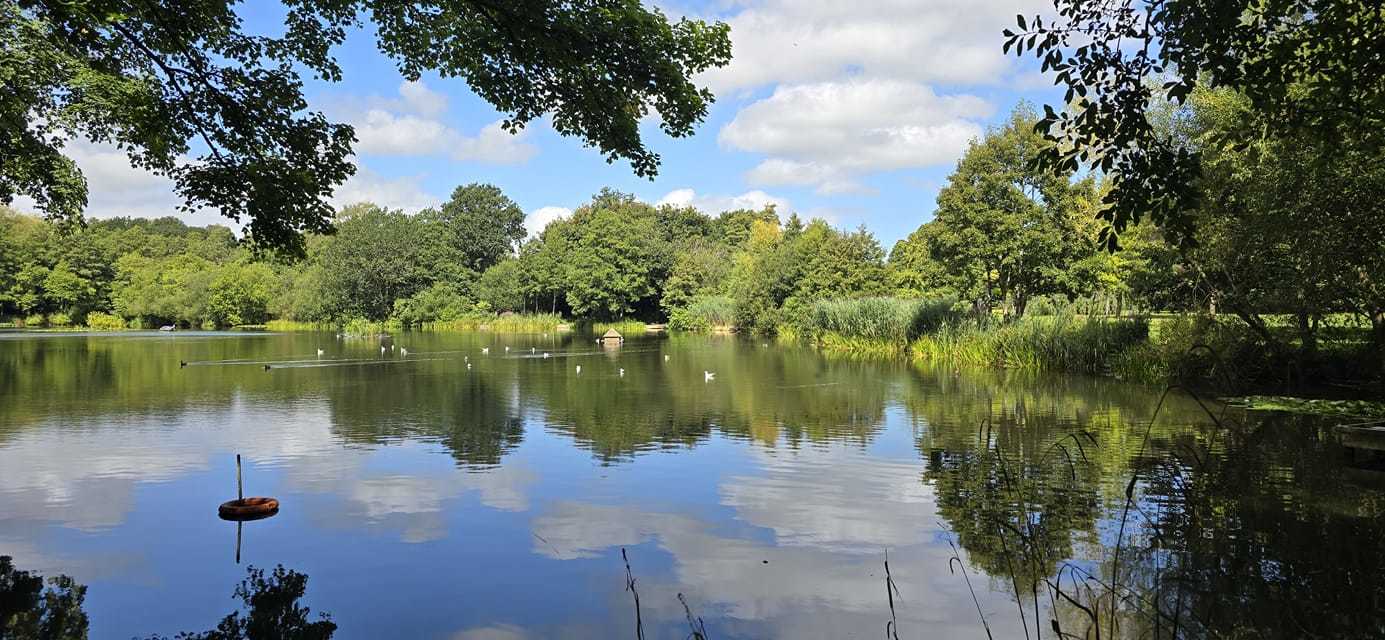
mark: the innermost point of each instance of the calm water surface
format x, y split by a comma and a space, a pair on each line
455, 494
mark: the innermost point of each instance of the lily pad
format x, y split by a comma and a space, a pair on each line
1351, 408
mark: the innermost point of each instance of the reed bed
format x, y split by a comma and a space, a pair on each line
623, 327
515, 323
1056, 343
298, 325
875, 326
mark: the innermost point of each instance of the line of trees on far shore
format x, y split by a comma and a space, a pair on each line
1278, 235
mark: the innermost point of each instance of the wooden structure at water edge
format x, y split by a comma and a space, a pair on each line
612, 338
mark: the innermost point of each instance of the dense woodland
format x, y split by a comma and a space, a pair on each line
1285, 255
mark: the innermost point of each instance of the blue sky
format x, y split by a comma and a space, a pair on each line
853, 112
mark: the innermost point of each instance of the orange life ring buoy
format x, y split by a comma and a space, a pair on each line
248, 509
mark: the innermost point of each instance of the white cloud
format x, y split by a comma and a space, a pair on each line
826, 134
383, 133
412, 97
494, 145
714, 204
115, 188
418, 98
829, 179
798, 41
539, 219
410, 126
396, 193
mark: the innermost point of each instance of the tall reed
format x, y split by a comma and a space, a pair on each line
1057, 343
876, 324
514, 323
623, 327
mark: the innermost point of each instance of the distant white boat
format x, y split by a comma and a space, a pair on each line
167, 327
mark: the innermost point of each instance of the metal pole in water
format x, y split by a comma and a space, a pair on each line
240, 495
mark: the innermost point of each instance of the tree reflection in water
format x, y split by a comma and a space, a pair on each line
28, 611
1233, 530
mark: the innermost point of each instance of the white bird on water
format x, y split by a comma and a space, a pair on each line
708, 376
507, 349
320, 352
665, 358
579, 369
382, 349
485, 350
468, 366
531, 349
545, 354
403, 351
622, 373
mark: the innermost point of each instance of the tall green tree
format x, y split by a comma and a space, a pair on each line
912, 270
1007, 230
241, 294
164, 79
477, 227
376, 257
616, 259
1290, 224
781, 273
501, 286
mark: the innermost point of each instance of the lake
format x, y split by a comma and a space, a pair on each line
452, 493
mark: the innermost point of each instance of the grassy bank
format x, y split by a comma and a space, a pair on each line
1220, 352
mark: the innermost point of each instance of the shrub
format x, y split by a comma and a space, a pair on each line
98, 321
439, 302
1222, 351
59, 319
704, 313
34, 320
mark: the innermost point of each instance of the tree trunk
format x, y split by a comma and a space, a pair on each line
1307, 335
1378, 335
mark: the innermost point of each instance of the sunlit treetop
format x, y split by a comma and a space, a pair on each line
1305, 65
187, 93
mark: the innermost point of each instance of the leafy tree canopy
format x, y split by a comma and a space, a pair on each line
1316, 66
1008, 231
187, 93
480, 225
